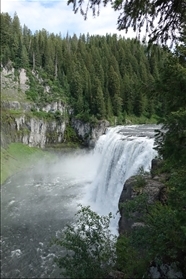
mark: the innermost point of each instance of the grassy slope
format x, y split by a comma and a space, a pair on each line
18, 157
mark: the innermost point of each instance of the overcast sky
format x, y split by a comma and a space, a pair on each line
57, 17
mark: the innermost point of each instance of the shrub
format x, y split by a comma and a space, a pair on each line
89, 246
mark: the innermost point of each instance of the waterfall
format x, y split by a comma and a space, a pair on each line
123, 151
37, 204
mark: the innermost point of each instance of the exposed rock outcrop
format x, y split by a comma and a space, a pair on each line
33, 131
39, 132
23, 80
21, 126
55, 106
153, 186
13, 80
88, 132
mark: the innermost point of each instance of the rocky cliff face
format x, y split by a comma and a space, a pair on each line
20, 124
13, 81
88, 132
38, 132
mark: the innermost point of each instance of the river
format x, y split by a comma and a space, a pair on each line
38, 203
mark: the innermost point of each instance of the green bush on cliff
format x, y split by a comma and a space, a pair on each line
160, 237
132, 262
88, 245
70, 135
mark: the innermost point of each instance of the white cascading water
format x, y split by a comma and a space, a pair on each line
123, 152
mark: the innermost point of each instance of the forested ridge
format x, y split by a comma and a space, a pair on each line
98, 76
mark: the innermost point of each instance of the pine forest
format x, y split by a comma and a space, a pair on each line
99, 77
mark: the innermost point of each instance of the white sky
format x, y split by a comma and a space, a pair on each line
57, 16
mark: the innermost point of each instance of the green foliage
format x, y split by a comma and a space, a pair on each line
139, 204
89, 250
70, 135
141, 120
172, 84
161, 236
43, 114
172, 143
177, 195
140, 179
164, 239
32, 95
132, 262
139, 104
98, 76
58, 116
140, 182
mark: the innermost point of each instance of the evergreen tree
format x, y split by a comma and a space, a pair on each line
139, 104
114, 90
24, 63
98, 100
